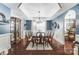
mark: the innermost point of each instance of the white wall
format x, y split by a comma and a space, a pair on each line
5, 42
17, 13
22, 29
59, 35
38, 27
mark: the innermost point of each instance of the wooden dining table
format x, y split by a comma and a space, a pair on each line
43, 40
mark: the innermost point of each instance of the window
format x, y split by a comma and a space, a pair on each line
27, 25
49, 24
52, 25
70, 25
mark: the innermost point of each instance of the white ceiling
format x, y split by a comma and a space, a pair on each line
46, 9
50, 10
15, 11
12, 5
65, 7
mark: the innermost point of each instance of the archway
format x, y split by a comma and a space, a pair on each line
69, 31
2, 17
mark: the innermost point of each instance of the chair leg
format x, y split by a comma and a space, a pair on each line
32, 44
36, 46
43, 46
47, 44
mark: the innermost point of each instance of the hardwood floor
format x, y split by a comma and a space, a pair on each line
20, 49
37, 52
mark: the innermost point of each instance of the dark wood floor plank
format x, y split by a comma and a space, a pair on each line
21, 50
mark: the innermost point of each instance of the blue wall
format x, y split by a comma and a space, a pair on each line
76, 8
5, 27
5, 10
